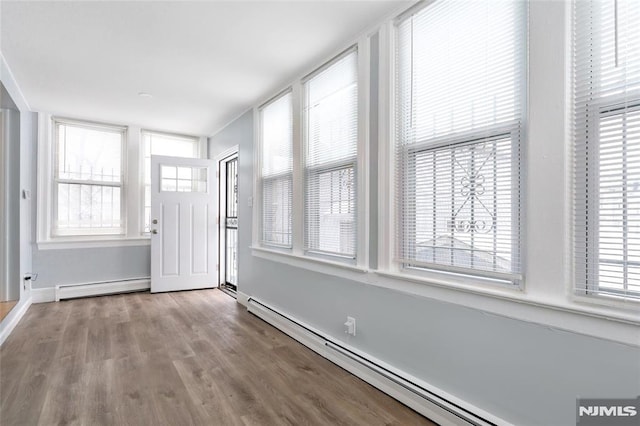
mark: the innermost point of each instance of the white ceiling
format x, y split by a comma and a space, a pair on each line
204, 62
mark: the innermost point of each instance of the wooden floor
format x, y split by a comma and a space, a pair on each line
174, 359
5, 308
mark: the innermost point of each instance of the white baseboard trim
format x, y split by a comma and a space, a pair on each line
72, 291
43, 295
433, 403
242, 299
13, 318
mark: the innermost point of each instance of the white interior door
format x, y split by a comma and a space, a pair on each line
182, 224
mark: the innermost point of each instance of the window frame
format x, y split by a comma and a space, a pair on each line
598, 108
274, 179
507, 280
389, 234
297, 252
317, 171
54, 233
200, 151
334, 165
133, 184
260, 179
584, 213
547, 299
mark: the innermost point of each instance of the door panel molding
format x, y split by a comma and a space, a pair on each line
182, 239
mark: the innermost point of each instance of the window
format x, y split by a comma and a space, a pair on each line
183, 179
607, 148
155, 143
276, 180
88, 183
460, 84
331, 136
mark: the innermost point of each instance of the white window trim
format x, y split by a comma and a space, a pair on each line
570, 311
92, 242
437, 271
259, 178
605, 322
584, 291
545, 301
361, 151
387, 233
55, 180
133, 208
297, 250
577, 291
202, 152
45, 181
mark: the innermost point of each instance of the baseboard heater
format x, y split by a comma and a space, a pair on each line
424, 401
73, 291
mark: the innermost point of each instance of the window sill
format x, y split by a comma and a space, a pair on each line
582, 306
63, 243
619, 323
307, 262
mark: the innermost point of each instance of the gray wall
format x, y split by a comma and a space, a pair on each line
525, 373
87, 265
240, 133
75, 266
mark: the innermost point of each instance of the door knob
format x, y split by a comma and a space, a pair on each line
154, 221
154, 231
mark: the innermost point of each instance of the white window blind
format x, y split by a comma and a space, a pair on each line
460, 91
277, 171
88, 179
607, 147
156, 143
331, 139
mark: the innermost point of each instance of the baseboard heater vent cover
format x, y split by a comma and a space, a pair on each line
425, 401
74, 291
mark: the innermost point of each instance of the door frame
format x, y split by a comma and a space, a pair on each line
221, 202
202, 280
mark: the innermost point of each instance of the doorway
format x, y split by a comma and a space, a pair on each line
228, 229
182, 226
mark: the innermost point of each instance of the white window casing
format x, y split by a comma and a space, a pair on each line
276, 172
539, 128
51, 173
88, 179
606, 149
330, 141
167, 144
459, 128
328, 223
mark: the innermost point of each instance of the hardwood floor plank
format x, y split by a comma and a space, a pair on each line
187, 358
205, 390
170, 397
132, 395
98, 340
23, 404
97, 382
65, 394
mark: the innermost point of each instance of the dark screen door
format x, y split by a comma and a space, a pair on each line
230, 211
